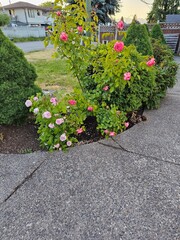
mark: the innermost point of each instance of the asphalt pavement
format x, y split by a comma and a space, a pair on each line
32, 46
124, 188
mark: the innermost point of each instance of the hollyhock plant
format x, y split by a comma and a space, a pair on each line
127, 76
120, 25
80, 29
59, 121
72, 102
90, 109
46, 115
28, 103
63, 137
106, 88
118, 46
64, 37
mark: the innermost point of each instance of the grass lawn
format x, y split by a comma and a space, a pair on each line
53, 73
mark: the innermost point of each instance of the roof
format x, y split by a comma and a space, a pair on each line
22, 5
173, 18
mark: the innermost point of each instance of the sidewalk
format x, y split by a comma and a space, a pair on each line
126, 188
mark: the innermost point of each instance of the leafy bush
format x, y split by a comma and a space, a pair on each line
157, 33
4, 19
137, 35
17, 78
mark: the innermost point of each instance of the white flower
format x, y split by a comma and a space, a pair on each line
69, 143
63, 137
36, 110
28, 103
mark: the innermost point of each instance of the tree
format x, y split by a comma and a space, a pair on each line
157, 33
48, 4
103, 8
4, 19
161, 8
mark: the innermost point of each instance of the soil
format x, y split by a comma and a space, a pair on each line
24, 138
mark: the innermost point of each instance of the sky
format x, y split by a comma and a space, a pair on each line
129, 9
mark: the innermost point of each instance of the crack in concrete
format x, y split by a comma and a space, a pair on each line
23, 181
136, 153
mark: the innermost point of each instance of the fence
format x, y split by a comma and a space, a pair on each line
24, 31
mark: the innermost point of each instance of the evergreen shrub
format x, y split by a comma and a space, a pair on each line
157, 33
17, 78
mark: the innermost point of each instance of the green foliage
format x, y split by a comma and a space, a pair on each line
157, 33
137, 35
4, 19
17, 78
166, 70
161, 8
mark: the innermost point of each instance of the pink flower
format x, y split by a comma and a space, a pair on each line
120, 25
58, 13
53, 100
51, 125
64, 37
105, 88
151, 62
69, 143
126, 124
35, 98
63, 137
127, 76
46, 115
106, 131
57, 145
118, 46
72, 102
112, 134
80, 29
36, 110
90, 109
59, 121
80, 130
28, 103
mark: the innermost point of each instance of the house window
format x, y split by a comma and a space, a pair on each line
105, 41
31, 13
38, 13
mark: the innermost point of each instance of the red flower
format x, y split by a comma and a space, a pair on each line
64, 37
120, 25
118, 46
58, 13
105, 88
90, 109
80, 130
72, 102
80, 29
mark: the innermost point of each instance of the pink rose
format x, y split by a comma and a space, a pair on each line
53, 100
80, 130
126, 124
105, 88
127, 76
58, 13
80, 29
106, 131
57, 145
118, 46
35, 98
112, 134
51, 125
69, 143
90, 109
151, 62
59, 121
63, 137
120, 25
36, 110
28, 103
46, 115
64, 37
72, 102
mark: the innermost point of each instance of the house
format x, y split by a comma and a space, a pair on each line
23, 13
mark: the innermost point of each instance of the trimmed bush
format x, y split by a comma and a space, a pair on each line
157, 33
4, 19
17, 78
137, 35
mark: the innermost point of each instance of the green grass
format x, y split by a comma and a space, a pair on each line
28, 39
54, 75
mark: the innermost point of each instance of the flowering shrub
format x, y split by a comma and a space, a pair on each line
114, 79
